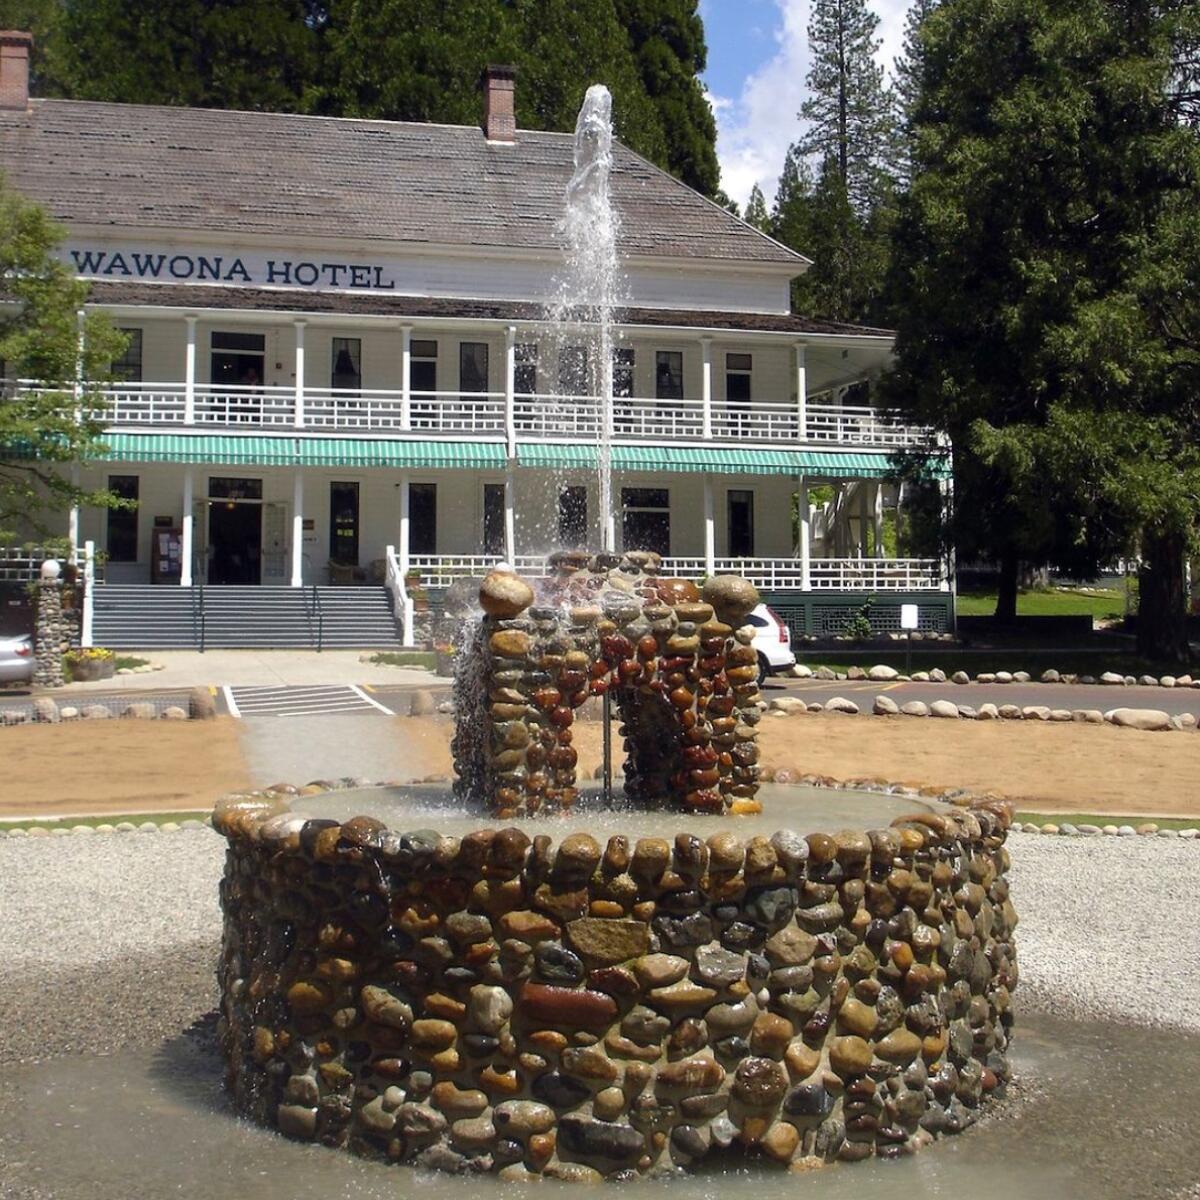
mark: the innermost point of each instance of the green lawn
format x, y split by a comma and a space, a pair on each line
1065, 660
1098, 602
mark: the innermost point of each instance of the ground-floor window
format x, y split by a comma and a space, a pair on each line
422, 518
739, 528
343, 523
122, 534
493, 518
646, 519
572, 516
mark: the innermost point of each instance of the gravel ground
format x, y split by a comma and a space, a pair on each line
1107, 927
111, 940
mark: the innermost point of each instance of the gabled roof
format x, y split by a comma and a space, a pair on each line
279, 175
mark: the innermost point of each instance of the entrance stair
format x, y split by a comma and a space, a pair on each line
148, 617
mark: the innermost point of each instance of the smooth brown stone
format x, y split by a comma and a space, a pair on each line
682, 995
463, 1102
528, 926
780, 1141
791, 947
445, 1007
725, 852
651, 857
609, 1104
498, 1082
608, 909
617, 981
691, 1075
589, 1063
821, 848
856, 1018
802, 1060
770, 1035
659, 970
849, 1055
605, 942
548, 1041
574, 1008
307, 997
510, 643
624, 1047
900, 1046
433, 1033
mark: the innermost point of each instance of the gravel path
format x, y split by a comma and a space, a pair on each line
1107, 927
111, 940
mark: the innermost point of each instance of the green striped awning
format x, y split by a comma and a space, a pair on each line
271, 451
557, 455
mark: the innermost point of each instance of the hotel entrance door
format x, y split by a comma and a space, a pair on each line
235, 531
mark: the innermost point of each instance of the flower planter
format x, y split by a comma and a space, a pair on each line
87, 670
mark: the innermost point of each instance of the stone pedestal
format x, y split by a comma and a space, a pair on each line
51, 635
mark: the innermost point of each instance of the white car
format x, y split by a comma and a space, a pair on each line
772, 641
16, 660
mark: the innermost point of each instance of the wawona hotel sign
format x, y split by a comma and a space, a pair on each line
187, 266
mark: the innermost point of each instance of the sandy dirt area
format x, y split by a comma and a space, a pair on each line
131, 766
118, 766
1046, 767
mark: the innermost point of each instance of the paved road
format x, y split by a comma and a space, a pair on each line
1056, 695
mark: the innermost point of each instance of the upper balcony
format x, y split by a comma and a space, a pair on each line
820, 420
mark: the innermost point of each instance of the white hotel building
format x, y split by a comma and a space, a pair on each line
339, 373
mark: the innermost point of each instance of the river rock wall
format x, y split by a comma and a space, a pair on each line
676, 660
500, 1004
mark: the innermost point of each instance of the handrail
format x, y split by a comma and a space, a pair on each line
315, 608
198, 612
402, 604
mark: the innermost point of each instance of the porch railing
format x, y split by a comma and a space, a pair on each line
544, 415
767, 574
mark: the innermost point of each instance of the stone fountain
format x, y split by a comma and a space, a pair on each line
525, 1000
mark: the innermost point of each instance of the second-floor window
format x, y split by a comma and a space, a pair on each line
668, 375
525, 370
573, 371
472, 366
423, 365
346, 372
128, 368
622, 382
737, 378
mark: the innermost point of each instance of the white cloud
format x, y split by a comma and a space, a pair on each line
755, 128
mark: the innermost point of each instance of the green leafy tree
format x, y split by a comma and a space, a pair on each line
1043, 261
41, 437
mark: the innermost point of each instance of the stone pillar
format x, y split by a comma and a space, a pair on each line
49, 634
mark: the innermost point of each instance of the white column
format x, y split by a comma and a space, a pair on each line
189, 373
864, 514
805, 512
87, 617
298, 529
706, 386
299, 323
950, 581
510, 390
510, 516
710, 529
879, 518
188, 540
404, 525
73, 513
802, 389
406, 384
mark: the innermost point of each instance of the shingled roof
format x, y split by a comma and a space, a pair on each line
129, 166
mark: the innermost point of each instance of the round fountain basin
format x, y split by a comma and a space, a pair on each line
541, 1001
801, 808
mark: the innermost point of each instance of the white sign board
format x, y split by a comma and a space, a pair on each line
908, 616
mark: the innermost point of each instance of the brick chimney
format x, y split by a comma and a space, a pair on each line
14, 69
499, 116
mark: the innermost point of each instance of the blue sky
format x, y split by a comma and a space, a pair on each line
757, 60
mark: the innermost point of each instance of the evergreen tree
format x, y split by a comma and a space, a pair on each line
1047, 322
756, 210
907, 74
851, 113
667, 40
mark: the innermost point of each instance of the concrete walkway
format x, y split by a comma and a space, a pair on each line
215, 668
